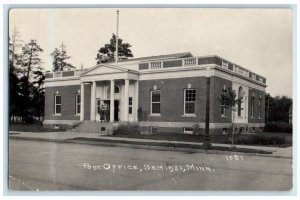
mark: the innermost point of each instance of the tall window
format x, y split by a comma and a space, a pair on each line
189, 101
240, 95
223, 106
155, 102
130, 105
259, 107
77, 104
252, 106
98, 100
57, 104
117, 89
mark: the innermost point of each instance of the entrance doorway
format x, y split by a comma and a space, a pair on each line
116, 112
103, 110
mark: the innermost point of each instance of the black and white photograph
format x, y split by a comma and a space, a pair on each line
150, 99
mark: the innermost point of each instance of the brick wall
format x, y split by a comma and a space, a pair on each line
216, 88
67, 102
172, 98
257, 94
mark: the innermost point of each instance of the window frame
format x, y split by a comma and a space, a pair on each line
151, 102
223, 106
252, 106
259, 107
77, 104
130, 101
239, 106
184, 102
56, 104
117, 89
188, 130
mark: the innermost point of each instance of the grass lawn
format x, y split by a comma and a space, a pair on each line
174, 145
264, 139
30, 128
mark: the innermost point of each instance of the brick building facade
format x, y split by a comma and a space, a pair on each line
168, 93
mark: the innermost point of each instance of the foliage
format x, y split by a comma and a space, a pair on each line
107, 53
282, 127
260, 139
30, 60
230, 100
60, 58
26, 76
130, 129
142, 115
14, 46
197, 130
277, 108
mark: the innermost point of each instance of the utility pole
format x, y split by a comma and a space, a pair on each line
206, 144
268, 108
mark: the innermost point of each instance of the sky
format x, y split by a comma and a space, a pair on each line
257, 39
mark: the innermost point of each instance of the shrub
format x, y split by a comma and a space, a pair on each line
258, 139
281, 127
129, 129
142, 115
197, 130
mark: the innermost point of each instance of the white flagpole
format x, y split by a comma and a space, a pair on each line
117, 37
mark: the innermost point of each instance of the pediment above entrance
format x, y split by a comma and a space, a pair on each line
104, 69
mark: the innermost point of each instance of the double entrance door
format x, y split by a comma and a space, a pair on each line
103, 110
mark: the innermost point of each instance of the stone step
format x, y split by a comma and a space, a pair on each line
94, 127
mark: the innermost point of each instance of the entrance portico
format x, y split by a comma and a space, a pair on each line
111, 87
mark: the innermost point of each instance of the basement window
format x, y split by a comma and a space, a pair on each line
153, 129
188, 130
56, 126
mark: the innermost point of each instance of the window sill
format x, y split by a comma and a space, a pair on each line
77, 115
224, 116
154, 115
188, 115
57, 115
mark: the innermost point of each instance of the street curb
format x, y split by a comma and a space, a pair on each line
143, 146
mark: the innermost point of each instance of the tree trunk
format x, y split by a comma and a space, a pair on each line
232, 135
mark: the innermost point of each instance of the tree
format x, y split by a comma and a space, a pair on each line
277, 108
31, 80
13, 93
60, 58
107, 53
30, 59
55, 57
26, 79
14, 46
37, 101
230, 100
14, 98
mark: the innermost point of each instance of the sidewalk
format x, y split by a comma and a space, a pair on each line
141, 143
